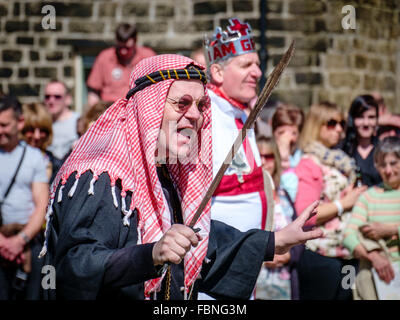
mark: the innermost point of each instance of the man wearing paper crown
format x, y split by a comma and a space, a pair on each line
233, 69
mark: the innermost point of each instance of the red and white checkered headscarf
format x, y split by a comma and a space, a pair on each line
122, 142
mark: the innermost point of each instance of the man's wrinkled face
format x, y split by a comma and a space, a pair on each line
56, 99
10, 125
240, 77
389, 170
182, 119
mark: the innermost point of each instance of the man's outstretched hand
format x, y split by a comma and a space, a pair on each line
294, 234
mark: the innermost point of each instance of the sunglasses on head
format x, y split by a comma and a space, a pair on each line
331, 124
56, 96
186, 101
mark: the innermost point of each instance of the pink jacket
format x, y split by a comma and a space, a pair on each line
310, 186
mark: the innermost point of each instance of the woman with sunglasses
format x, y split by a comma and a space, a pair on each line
325, 174
361, 138
38, 133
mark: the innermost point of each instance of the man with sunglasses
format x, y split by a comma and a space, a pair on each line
109, 77
57, 101
23, 200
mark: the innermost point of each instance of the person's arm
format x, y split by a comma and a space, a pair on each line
380, 263
14, 245
377, 230
279, 261
90, 246
93, 97
234, 260
329, 210
310, 188
389, 119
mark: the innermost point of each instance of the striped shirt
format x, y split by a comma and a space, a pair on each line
374, 205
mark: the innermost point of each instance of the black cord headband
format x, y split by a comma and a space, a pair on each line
157, 76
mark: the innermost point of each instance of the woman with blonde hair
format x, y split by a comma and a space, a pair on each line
278, 279
38, 133
325, 174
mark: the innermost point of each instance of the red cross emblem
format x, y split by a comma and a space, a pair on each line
236, 25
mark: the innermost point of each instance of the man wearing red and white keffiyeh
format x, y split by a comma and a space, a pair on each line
121, 202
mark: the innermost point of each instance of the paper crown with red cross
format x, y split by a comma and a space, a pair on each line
237, 40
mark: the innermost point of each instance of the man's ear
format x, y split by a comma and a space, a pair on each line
68, 100
217, 74
20, 123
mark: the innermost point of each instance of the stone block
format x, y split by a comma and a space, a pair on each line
17, 9
107, 9
209, 7
67, 70
336, 61
389, 84
360, 61
25, 40
319, 44
307, 7
309, 78
3, 10
301, 98
204, 25
81, 26
54, 56
34, 55
5, 72
11, 55
242, 6
375, 64
164, 11
274, 6
16, 26
276, 42
23, 89
344, 79
370, 82
23, 72
46, 72
135, 9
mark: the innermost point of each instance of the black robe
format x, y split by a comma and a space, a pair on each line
96, 256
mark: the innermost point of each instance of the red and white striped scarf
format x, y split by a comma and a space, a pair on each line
122, 142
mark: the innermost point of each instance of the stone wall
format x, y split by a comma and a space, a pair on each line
330, 62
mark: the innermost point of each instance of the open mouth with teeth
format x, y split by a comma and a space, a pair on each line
186, 133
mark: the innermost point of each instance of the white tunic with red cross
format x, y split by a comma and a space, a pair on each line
240, 199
